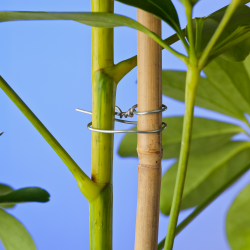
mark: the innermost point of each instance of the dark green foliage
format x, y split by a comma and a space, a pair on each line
31, 194
164, 9
4, 189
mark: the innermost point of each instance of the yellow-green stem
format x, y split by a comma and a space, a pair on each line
193, 75
88, 188
103, 109
192, 52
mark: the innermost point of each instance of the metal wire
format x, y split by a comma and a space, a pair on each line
164, 108
129, 113
164, 125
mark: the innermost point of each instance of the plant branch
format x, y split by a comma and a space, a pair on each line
118, 71
166, 46
205, 204
124, 67
89, 189
193, 75
181, 36
229, 12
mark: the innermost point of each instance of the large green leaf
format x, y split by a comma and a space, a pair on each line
214, 158
101, 20
164, 9
4, 189
13, 234
206, 134
31, 194
225, 89
110, 20
207, 172
238, 26
238, 221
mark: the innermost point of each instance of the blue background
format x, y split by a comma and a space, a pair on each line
48, 63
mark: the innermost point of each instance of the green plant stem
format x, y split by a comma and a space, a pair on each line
89, 189
166, 46
205, 204
190, 30
181, 36
192, 79
228, 14
103, 109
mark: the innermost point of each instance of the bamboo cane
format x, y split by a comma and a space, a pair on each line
103, 109
149, 145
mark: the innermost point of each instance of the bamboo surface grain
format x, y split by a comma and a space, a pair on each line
149, 146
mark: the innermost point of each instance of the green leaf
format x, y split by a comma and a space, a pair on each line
225, 89
164, 9
229, 45
13, 234
4, 189
238, 221
31, 194
1, 133
207, 172
101, 20
214, 158
206, 134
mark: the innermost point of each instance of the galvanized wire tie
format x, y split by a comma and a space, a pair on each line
129, 113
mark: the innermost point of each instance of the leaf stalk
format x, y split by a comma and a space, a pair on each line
89, 189
192, 79
190, 30
228, 14
124, 67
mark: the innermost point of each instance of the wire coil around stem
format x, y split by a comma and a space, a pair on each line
129, 113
